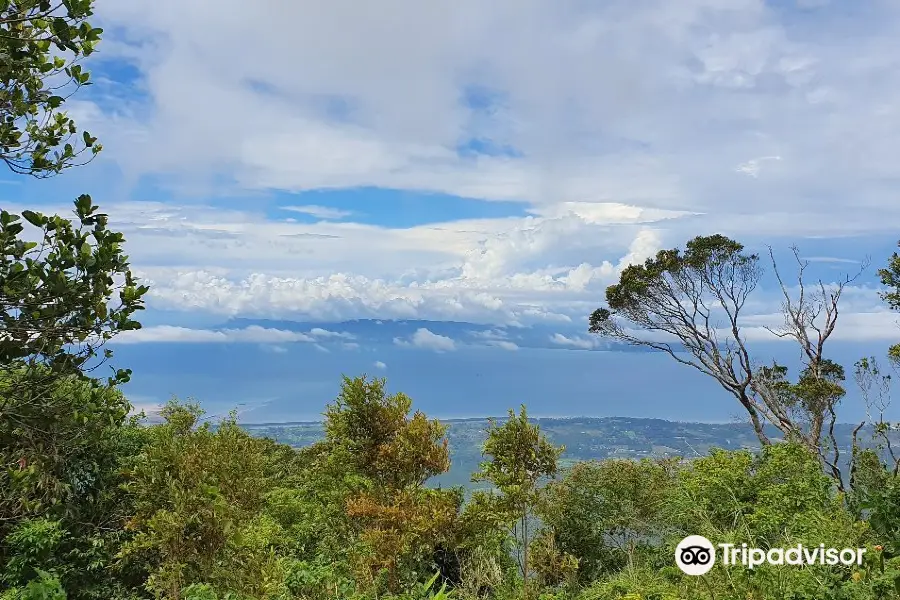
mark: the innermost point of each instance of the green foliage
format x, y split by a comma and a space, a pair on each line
882, 501
61, 431
890, 278
519, 458
44, 587
42, 44
211, 513
197, 493
603, 513
385, 444
318, 580
61, 472
816, 389
763, 496
56, 294
54, 451
709, 263
33, 544
393, 454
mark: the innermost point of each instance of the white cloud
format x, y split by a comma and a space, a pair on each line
880, 325
634, 125
380, 365
502, 344
235, 263
324, 333
319, 212
649, 104
168, 333
572, 342
150, 407
425, 339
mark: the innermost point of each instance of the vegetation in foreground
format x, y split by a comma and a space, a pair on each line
95, 506
187, 510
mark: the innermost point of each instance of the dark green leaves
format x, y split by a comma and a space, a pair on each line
56, 297
707, 260
34, 135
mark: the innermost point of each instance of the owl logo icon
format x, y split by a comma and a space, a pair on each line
695, 555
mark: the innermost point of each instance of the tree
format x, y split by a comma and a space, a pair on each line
59, 427
520, 457
890, 277
56, 293
42, 43
386, 444
688, 305
375, 437
56, 313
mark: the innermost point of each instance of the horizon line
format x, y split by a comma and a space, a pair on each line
536, 418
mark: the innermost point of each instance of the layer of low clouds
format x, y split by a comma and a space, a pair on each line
168, 334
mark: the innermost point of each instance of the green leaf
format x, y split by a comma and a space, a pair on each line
36, 219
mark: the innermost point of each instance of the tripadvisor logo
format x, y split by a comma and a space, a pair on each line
696, 555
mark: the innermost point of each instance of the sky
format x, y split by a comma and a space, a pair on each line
493, 163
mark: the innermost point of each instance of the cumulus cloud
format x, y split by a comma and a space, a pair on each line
572, 342
380, 365
168, 334
476, 278
425, 339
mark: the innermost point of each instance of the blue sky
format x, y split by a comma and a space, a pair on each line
491, 163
